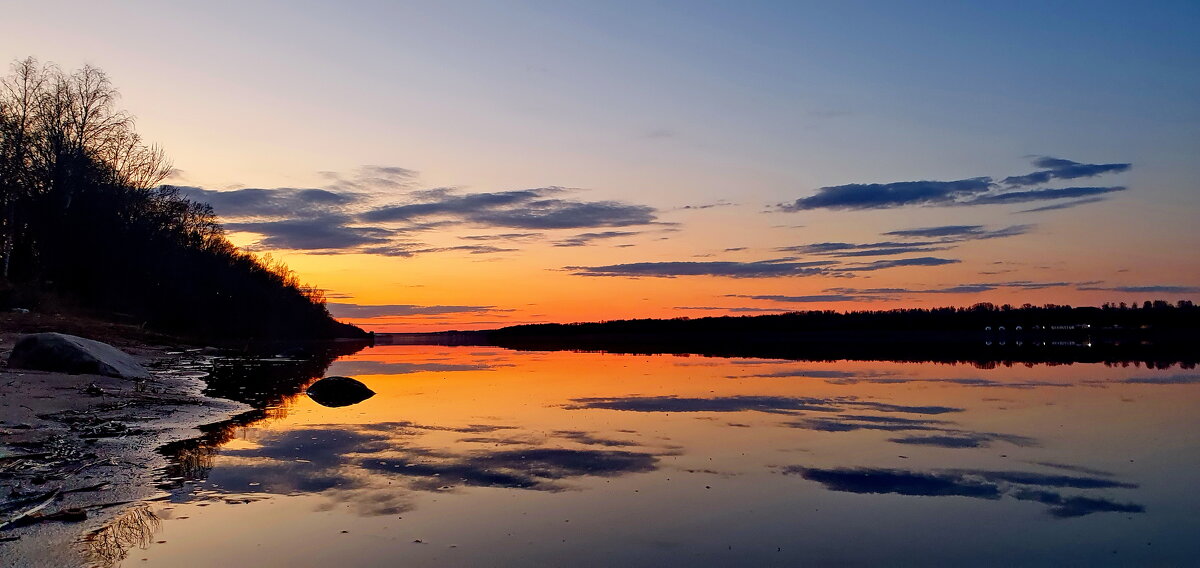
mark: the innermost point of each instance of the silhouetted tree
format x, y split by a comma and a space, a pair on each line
84, 217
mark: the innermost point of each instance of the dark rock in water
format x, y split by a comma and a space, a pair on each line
339, 391
76, 355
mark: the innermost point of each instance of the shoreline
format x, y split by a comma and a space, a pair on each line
92, 442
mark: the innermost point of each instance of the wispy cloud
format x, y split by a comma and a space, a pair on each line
503, 237
278, 202
812, 298
863, 249
1066, 205
1057, 168
1160, 289
377, 210
895, 263
537, 208
585, 239
320, 232
887, 195
760, 269
1043, 195
960, 233
982, 190
741, 309
843, 294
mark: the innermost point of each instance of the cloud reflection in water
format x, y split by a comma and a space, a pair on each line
976, 484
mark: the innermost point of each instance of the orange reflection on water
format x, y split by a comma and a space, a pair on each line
498, 457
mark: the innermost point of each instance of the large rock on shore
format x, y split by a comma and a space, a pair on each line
339, 391
76, 355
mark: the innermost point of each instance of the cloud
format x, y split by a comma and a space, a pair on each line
886, 195
976, 484
519, 209
867, 249
442, 201
1161, 289
470, 249
561, 214
814, 298
344, 310
971, 191
584, 239
733, 309
883, 264
370, 178
956, 289
1066, 205
1042, 195
327, 231
278, 202
720, 203
759, 269
503, 237
960, 233
944, 238
1057, 168
845, 294
349, 214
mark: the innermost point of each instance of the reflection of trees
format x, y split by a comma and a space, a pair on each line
917, 347
109, 545
270, 385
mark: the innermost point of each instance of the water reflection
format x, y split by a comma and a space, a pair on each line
494, 451
977, 484
741, 403
134, 527
323, 457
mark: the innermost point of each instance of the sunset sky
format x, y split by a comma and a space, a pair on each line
464, 165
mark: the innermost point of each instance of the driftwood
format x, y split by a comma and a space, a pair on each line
26, 513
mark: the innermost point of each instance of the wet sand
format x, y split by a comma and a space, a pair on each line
90, 443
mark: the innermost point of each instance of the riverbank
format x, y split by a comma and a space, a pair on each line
86, 446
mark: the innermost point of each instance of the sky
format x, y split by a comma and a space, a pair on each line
469, 165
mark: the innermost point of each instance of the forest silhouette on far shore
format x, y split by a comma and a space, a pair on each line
1156, 334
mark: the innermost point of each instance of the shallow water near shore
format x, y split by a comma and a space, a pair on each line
486, 456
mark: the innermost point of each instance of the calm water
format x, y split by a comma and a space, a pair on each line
482, 456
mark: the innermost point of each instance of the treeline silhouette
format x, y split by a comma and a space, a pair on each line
1156, 333
83, 220
1155, 314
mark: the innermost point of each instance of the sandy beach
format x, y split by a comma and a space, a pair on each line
84, 448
